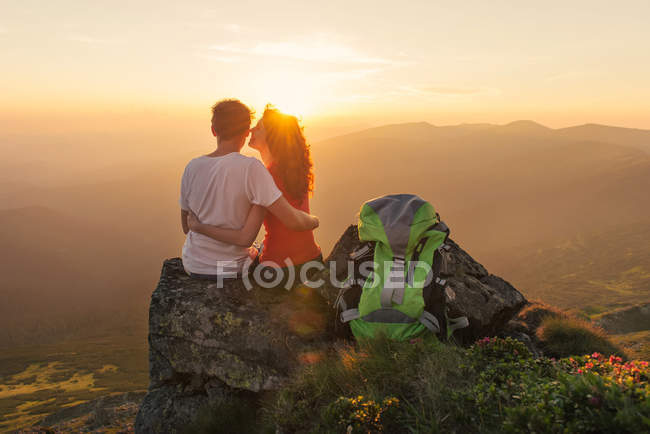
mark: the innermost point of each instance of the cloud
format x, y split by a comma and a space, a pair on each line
426, 93
315, 52
233, 28
564, 75
445, 91
78, 37
220, 58
311, 51
229, 48
452, 90
352, 74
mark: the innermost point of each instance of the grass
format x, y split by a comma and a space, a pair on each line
564, 336
359, 381
534, 313
417, 386
36, 381
240, 413
368, 375
636, 344
425, 386
596, 272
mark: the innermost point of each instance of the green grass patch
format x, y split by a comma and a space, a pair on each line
239, 413
636, 344
36, 381
375, 378
494, 386
567, 336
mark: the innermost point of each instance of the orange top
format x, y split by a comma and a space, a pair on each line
281, 243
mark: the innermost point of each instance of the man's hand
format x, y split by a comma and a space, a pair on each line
194, 223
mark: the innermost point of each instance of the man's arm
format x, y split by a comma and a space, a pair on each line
292, 218
184, 225
261, 189
241, 237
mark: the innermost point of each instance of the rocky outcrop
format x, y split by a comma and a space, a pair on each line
525, 324
109, 413
209, 343
488, 301
627, 320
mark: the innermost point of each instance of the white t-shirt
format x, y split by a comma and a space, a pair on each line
221, 192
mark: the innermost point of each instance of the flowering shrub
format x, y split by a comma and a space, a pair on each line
502, 349
506, 375
591, 393
586, 402
632, 377
496, 385
514, 392
361, 414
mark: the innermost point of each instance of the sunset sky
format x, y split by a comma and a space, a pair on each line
363, 62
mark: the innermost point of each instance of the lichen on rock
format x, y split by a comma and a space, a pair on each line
204, 338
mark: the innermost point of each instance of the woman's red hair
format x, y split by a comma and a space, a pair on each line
291, 154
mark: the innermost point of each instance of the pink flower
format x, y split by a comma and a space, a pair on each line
615, 359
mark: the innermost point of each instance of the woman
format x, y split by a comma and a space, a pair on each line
280, 140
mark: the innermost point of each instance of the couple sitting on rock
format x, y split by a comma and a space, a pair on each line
226, 196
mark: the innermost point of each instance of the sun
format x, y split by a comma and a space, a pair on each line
290, 93
291, 104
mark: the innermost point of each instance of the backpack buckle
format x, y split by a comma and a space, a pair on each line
394, 284
444, 247
360, 252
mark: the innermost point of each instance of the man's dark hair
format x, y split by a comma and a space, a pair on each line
231, 118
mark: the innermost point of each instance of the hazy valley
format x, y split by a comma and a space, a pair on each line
562, 214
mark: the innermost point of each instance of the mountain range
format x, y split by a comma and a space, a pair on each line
512, 194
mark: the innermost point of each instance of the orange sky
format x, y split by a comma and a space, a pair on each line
346, 63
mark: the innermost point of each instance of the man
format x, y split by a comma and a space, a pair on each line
220, 188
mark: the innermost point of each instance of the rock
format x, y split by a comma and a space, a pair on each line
488, 301
169, 408
532, 316
626, 320
207, 342
528, 320
114, 413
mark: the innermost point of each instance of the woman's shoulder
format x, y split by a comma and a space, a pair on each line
301, 203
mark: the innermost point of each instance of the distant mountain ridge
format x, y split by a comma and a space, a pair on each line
499, 188
522, 175
632, 137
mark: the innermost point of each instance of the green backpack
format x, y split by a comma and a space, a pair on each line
394, 286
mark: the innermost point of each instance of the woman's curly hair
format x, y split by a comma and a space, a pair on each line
291, 154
